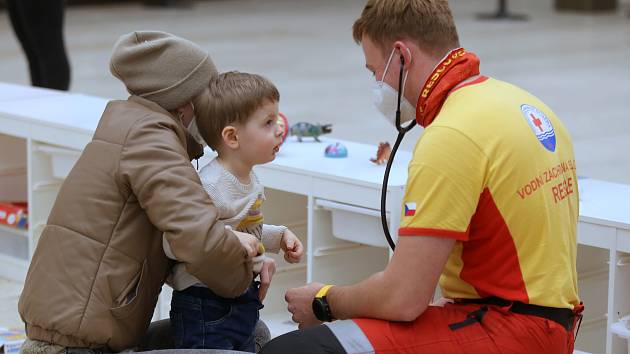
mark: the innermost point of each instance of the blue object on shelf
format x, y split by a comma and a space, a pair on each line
336, 150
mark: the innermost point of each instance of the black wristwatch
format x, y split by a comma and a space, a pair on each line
321, 309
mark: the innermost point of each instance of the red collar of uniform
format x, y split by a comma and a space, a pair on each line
456, 67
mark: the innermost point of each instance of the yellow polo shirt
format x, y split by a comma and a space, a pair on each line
496, 172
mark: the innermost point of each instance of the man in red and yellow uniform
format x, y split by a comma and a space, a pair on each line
490, 210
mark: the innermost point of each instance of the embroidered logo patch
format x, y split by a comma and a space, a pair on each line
410, 209
541, 126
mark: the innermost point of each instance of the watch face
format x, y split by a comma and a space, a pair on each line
319, 309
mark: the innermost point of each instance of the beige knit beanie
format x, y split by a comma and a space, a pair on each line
161, 67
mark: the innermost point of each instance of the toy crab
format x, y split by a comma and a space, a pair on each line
303, 129
382, 154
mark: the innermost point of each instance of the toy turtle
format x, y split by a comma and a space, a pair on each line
303, 129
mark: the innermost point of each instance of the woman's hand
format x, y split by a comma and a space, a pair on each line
266, 274
249, 242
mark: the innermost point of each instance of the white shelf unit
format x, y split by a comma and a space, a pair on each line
620, 307
42, 132
14, 242
335, 260
623, 332
603, 281
593, 286
604, 228
50, 165
41, 170
7, 230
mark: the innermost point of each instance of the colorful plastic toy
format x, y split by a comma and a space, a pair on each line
336, 150
14, 215
283, 122
382, 154
303, 129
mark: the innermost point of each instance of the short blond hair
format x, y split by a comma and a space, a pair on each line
231, 97
429, 23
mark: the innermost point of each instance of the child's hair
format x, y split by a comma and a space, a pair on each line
231, 97
429, 23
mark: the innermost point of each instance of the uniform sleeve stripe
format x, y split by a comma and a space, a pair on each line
418, 231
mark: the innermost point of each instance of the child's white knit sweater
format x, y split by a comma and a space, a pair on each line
239, 207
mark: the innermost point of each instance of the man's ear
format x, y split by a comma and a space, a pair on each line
230, 137
404, 50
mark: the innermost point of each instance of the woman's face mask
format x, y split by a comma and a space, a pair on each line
385, 98
193, 130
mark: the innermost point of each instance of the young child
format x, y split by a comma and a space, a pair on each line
244, 133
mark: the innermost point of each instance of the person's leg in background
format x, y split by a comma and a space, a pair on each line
48, 18
20, 27
38, 26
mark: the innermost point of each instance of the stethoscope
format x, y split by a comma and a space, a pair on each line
401, 134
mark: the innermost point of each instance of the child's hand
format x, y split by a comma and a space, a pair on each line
292, 247
249, 242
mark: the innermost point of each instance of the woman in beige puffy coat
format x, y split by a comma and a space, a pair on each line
99, 265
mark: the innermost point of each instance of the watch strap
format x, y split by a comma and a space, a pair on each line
323, 291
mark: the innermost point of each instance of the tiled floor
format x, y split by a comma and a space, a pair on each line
577, 63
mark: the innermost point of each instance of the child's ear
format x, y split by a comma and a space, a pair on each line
230, 137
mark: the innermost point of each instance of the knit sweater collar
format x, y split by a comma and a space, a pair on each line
237, 188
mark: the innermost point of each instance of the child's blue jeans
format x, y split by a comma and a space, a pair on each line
201, 319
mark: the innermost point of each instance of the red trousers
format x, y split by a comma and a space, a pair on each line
499, 331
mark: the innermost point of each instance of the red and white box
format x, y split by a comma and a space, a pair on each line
14, 214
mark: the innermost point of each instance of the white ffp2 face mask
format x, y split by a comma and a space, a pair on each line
193, 129
385, 98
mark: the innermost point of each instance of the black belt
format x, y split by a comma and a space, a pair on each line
562, 316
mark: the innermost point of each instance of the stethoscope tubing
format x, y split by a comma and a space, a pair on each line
401, 134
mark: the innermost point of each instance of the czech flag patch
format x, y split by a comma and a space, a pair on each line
410, 209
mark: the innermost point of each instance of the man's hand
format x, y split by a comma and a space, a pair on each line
266, 274
292, 247
249, 242
300, 304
